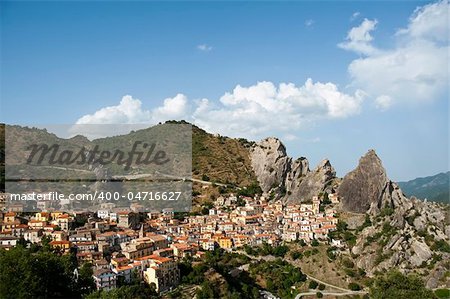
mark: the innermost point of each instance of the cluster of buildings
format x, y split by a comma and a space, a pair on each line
229, 226
116, 251
123, 245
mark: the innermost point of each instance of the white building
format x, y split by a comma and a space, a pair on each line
103, 214
105, 279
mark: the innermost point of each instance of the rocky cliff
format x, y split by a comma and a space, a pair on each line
275, 170
270, 163
404, 233
311, 183
411, 237
367, 186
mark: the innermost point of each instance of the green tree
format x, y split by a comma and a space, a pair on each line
296, 255
395, 285
24, 274
85, 280
142, 291
250, 190
45, 242
280, 250
207, 291
354, 286
313, 284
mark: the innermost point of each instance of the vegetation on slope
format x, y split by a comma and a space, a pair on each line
434, 188
221, 159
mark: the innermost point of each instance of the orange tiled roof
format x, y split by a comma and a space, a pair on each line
124, 268
59, 242
160, 259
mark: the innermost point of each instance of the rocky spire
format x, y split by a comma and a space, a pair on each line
312, 183
367, 187
274, 169
270, 163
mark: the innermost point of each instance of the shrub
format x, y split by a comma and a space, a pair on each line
302, 242
386, 211
296, 255
440, 245
354, 286
396, 285
348, 263
313, 284
442, 293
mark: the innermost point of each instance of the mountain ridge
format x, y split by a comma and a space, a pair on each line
398, 232
241, 163
434, 188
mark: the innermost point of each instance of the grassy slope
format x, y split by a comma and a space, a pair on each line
222, 159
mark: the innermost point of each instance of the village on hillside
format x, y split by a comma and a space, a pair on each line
122, 243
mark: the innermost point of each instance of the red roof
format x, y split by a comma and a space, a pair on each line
59, 243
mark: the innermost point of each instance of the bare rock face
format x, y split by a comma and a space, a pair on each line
422, 253
274, 169
299, 169
364, 185
312, 183
270, 163
403, 236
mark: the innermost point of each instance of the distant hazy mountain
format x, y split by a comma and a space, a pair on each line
435, 188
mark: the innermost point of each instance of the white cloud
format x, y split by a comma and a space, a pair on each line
264, 108
309, 22
414, 70
254, 112
204, 48
130, 111
383, 102
172, 108
359, 38
355, 15
429, 22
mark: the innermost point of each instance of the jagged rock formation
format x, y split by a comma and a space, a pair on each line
406, 234
409, 237
299, 169
312, 182
274, 169
367, 185
270, 163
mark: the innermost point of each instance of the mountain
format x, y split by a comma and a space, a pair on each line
215, 158
398, 232
434, 188
221, 159
289, 179
386, 229
368, 189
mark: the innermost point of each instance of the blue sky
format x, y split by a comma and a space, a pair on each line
64, 62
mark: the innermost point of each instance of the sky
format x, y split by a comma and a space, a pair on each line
330, 79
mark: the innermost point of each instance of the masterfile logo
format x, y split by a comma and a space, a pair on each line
149, 167
57, 156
